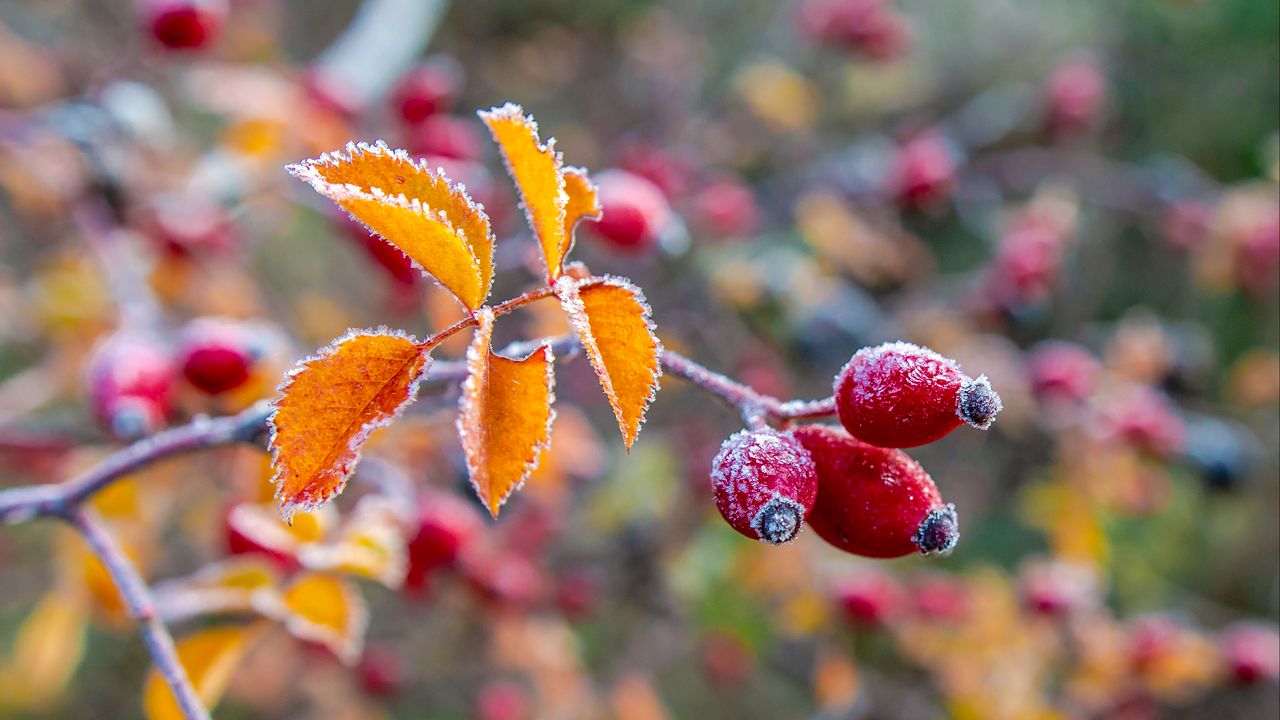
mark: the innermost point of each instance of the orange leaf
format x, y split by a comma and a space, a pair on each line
324, 609
505, 418
538, 172
210, 658
583, 204
616, 328
328, 405
433, 222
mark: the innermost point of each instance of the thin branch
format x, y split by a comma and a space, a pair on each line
25, 503
751, 403
137, 598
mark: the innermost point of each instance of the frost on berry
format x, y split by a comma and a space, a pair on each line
978, 404
902, 395
764, 483
938, 532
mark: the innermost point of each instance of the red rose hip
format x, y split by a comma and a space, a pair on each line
873, 501
900, 395
184, 24
765, 483
216, 355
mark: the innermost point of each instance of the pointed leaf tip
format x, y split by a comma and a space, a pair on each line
615, 325
539, 175
505, 416
329, 404
432, 221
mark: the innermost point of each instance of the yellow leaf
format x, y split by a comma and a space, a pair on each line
615, 325
370, 544
539, 174
262, 526
433, 222
210, 658
48, 648
328, 405
505, 415
227, 586
324, 609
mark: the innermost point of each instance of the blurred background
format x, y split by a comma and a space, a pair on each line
1076, 198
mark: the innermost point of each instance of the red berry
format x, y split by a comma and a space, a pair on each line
503, 579
184, 226
577, 594
427, 89
1186, 223
668, 172
940, 597
1056, 588
446, 526
900, 395
765, 484
130, 381
503, 700
924, 169
1251, 652
381, 671
870, 599
635, 213
1063, 372
726, 659
873, 501
1150, 639
727, 208
184, 24
217, 356
1145, 420
248, 534
869, 27
1074, 96
1026, 265
447, 136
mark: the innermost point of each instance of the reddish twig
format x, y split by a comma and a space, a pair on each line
755, 407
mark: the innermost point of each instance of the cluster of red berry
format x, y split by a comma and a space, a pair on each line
853, 485
133, 378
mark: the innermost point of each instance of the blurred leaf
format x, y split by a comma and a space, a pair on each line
324, 609
210, 658
48, 649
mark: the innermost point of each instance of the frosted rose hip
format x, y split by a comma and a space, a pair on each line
765, 483
900, 395
873, 501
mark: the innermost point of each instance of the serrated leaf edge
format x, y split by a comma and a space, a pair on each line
568, 290
513, 112
486, 320
356, 443
307, 172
